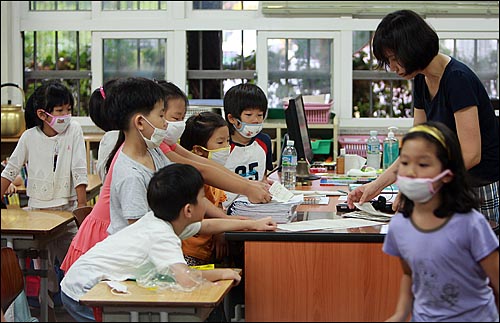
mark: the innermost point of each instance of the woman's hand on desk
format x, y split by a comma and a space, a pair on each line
363, 194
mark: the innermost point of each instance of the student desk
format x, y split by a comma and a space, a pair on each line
24, 230
325, 275
168, 305
93, 187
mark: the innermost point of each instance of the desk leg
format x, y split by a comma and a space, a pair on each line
134, 316
163, 316
44, 295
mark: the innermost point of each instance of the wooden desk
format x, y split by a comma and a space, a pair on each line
25, 230
325, 275
168, 305
93, 187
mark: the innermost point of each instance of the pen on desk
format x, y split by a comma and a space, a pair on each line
342, 191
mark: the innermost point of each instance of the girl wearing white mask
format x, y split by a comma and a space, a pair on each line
53, 149
207, 135
448, 251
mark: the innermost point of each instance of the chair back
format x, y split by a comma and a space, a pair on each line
12, 277
80, 213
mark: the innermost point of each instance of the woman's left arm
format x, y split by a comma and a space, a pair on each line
469, 135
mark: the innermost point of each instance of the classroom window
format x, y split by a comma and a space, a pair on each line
226, 5
480, 55
60, 5
217, 60
134, 5
143, 57
63, 55
297, 65
376, 93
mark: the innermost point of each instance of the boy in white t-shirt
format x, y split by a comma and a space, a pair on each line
175, 196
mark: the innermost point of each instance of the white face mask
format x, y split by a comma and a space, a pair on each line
419, 190
219, 155
59, 123
156, 138
249, 130
174, 131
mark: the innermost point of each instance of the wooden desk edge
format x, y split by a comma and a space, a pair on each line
100, 295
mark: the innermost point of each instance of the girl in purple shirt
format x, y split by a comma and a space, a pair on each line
448, 251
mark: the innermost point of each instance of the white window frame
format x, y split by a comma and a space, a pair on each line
335, 63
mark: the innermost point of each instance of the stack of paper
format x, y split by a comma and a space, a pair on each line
281, 212
368, 212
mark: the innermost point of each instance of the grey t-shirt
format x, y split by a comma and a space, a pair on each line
128, 200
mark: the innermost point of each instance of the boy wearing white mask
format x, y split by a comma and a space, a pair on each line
448, 251
245, 108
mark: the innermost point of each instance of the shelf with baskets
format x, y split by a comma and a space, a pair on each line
323, 135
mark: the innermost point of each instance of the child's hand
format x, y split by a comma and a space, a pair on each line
11, 189
265, 224
228, 273
258, 192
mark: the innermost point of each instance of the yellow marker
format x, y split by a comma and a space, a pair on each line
204, 267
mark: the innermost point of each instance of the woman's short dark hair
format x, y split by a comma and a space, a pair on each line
457, 195
171, 188
413, 42
199, 128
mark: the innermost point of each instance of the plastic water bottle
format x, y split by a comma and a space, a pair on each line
391, 148
373, 150
289, 165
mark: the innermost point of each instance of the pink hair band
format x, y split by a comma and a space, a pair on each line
101, 89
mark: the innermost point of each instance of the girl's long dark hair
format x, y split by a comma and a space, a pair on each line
457, 196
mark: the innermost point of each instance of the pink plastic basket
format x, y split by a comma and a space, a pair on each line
316, 112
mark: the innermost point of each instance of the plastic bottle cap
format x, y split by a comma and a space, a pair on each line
290, 142
373, 133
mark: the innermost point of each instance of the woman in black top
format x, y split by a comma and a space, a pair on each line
445, 90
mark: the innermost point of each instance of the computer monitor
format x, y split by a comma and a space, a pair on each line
298, 131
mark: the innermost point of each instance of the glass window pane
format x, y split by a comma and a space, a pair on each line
60, 5
225, 5
480, 55
134, 5
45, 59
236, 42
298, 66
134, 57
376, 94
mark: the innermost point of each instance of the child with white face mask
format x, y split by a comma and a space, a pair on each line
448, 251
207, 135
94, 227
245, 108
53, 149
